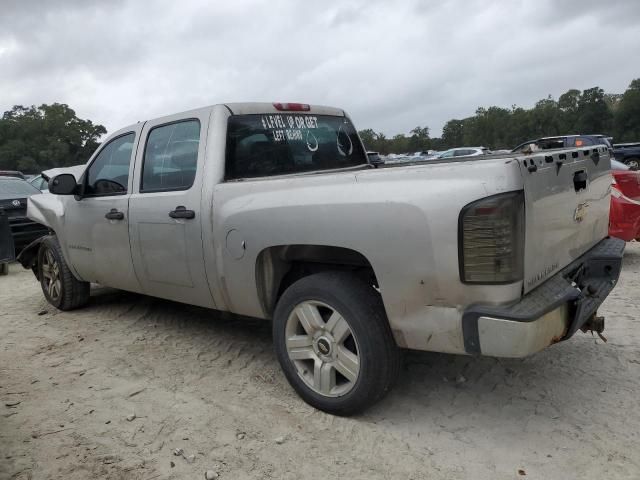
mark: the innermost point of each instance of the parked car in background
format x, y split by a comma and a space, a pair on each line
564, 141
14, 193
40, 183
12, 173
628, 153
624, 217
464, 152
375, 158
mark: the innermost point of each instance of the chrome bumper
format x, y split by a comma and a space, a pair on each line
552, 312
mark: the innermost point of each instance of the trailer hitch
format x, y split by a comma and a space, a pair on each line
595, 324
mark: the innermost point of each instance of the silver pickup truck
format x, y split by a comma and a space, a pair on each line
272, 211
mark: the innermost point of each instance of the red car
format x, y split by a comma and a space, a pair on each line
624, 218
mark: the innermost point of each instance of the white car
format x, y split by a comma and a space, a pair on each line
464, 152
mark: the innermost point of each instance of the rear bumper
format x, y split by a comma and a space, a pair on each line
552, 312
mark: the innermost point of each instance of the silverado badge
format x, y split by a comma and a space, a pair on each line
580, 212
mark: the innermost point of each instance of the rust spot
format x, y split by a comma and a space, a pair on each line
556, 339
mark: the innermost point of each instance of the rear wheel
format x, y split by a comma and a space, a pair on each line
334, 343
4, 269
633, 163
60, 287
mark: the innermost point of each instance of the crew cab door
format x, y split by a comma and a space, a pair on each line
96, 226
166, 227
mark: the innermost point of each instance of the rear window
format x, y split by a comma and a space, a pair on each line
277, 144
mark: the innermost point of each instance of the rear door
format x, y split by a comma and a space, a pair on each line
567, 196
165, 228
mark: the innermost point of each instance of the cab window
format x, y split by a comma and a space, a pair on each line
171, 157
108, 174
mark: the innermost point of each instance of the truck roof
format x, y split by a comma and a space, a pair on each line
248, 108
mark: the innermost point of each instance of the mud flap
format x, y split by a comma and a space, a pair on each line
28, 257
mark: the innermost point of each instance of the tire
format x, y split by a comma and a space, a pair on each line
4, 269
633, 163
60, 287
334, 344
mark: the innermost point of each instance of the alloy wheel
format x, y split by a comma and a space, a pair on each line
51, 274
323, 348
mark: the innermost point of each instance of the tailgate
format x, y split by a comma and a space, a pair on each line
566, 208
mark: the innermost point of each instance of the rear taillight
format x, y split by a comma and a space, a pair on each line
491, 239
292, 107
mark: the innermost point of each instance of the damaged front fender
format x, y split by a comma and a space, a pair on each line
28, 257
48, 210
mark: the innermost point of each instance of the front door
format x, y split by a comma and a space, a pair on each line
96, 227
165, 226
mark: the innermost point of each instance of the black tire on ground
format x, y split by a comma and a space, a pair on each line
4, 269
70, 292
633, 163
362, 308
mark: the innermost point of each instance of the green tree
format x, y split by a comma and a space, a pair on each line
627, 114
35, 139
591, 111
419, 139
593, 114
453, 134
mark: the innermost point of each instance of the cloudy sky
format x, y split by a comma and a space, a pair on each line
392, 65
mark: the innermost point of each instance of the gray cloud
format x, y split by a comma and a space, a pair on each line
392, 66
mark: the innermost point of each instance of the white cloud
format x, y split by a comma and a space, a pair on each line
392, 66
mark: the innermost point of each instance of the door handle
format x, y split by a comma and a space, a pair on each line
114, 215
182, 212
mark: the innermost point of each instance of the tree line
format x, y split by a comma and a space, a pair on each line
591, 111
33, 139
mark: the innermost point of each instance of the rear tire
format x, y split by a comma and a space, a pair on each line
4, 269
633, 163
60, 287
334, 344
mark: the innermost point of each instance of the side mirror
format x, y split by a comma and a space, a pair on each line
63, 184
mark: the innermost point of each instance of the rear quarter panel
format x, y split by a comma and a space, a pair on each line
403, 220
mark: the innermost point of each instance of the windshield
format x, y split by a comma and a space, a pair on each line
278, 144
16, 188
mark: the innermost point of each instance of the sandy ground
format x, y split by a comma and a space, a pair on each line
210, 384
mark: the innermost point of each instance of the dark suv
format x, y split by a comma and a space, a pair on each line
14, 193
566, 141
628, 153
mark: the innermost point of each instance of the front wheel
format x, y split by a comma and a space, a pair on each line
60, 287
334, 343
633, 163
